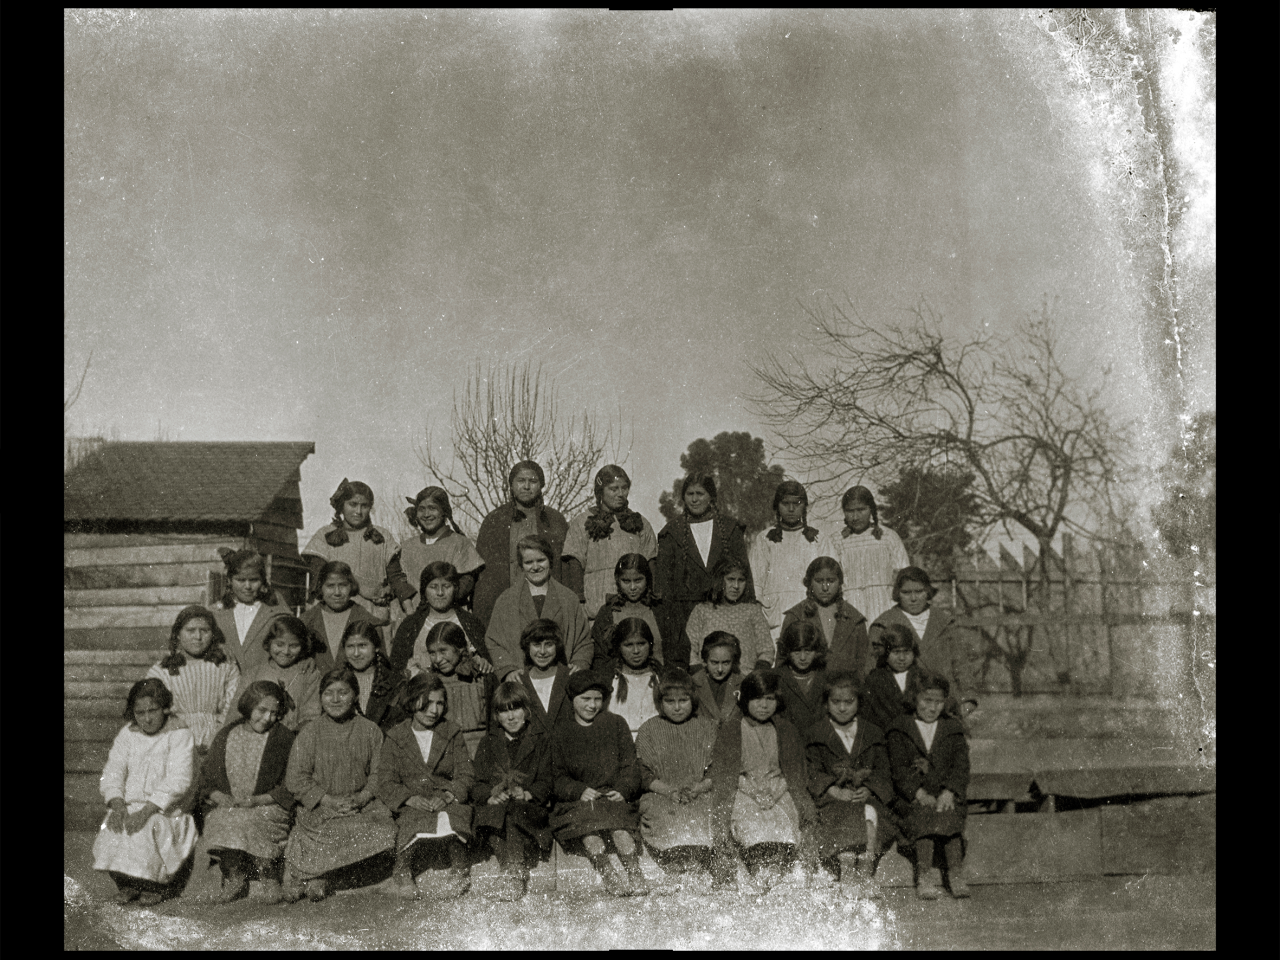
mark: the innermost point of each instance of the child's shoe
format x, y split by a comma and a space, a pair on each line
406, 889
613, 881
235, 884
956, 881
291, 890
929, 886
637, 885
127, 895
867, 876
149, 898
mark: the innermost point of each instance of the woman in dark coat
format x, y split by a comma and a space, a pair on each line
524, 515
685, 559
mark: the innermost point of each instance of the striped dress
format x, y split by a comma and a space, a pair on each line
202, 695
678, 754
746, 621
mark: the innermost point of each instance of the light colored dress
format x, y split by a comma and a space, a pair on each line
778, 571
744, 620
639, 706
678, 754
869, 566
760, 772
258, 831
599, 557
144, 769
202, 694
367, 560
451, 546
335, 758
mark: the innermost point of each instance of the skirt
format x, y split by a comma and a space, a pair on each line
258, 831
577, 818
156, 852
922, 822
842, 825
751, 825
528, 818
665, 824
322, 841
410, 822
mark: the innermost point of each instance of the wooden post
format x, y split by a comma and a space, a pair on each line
1010, 806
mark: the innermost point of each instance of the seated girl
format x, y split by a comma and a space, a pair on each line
842, 627
634, 677
538, 596
379, 688
674, 750
936, 634
199, 675
596, 778
242, 781
439, 587
891, 688
760, 801
425, 777
716, 685
848, 767
332, 770
512, 789
469, 692
291, 662
146, 835
929, 757
634, 598
336, 589
801, 672
546, 675
731, 606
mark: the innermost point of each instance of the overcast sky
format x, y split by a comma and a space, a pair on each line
309, 226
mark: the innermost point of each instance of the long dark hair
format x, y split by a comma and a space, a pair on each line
791, 488
722, 568
518, 513
637, 562
622, 632
861, 495
346, 490
216, 652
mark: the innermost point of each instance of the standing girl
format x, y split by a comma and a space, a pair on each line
199, 674
849, 780
842, 627
513, 787
526, 515
469, 692
801, 673
780, 555
146, 836
935, 631
870, 554
425, 777
336, 589
291, 663
438, 585
929, 756
596, 777
635, 598
634, 677
674, 749
332, 770
598, 537
352, 539
429, 512
731, 606
716, 685
379, 688
247, 607
545, 677
538, 595
760, 800
689, 547
242, 780
892, 687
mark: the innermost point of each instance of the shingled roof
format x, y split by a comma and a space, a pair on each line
181, 481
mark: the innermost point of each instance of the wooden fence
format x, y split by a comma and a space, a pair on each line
1092, 620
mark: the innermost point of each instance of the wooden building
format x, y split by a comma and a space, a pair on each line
142, 524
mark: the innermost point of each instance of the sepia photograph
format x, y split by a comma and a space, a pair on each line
639, 479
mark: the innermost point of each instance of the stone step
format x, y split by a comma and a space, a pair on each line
136, 575
113, 617
146, 657
85, 756
136, 596
101, 728
116, 638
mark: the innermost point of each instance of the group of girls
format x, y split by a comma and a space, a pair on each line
390, 712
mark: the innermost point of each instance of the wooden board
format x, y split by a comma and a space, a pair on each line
93, 618
143, 658
110, 556
100, 729
98, 690
93, 541
136, 596
1165, 835
105, 672
85, 756
124, 576
117, 638
1034, 846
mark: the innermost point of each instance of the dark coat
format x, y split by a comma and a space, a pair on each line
882, 702
682, 579
386, 706
726, 767
802, 710
271, 768
493, 543
561, 709
314, 619
403, 773
940, 650
707, 706
603, 661
849, 649
945, 766
604, 759
527, 762
407, 634
826, 759
515, 610
249, 654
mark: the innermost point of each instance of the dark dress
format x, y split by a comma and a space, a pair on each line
849, 649
803, 704
601, 756
385, 707
882, 702
404, 773
842, 823
524, 762
708, 707
545, 719
683, 579
943, 767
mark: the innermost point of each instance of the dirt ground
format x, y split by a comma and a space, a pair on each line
1105, 913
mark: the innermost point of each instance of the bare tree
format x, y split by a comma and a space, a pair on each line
1043, 450
511, 414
